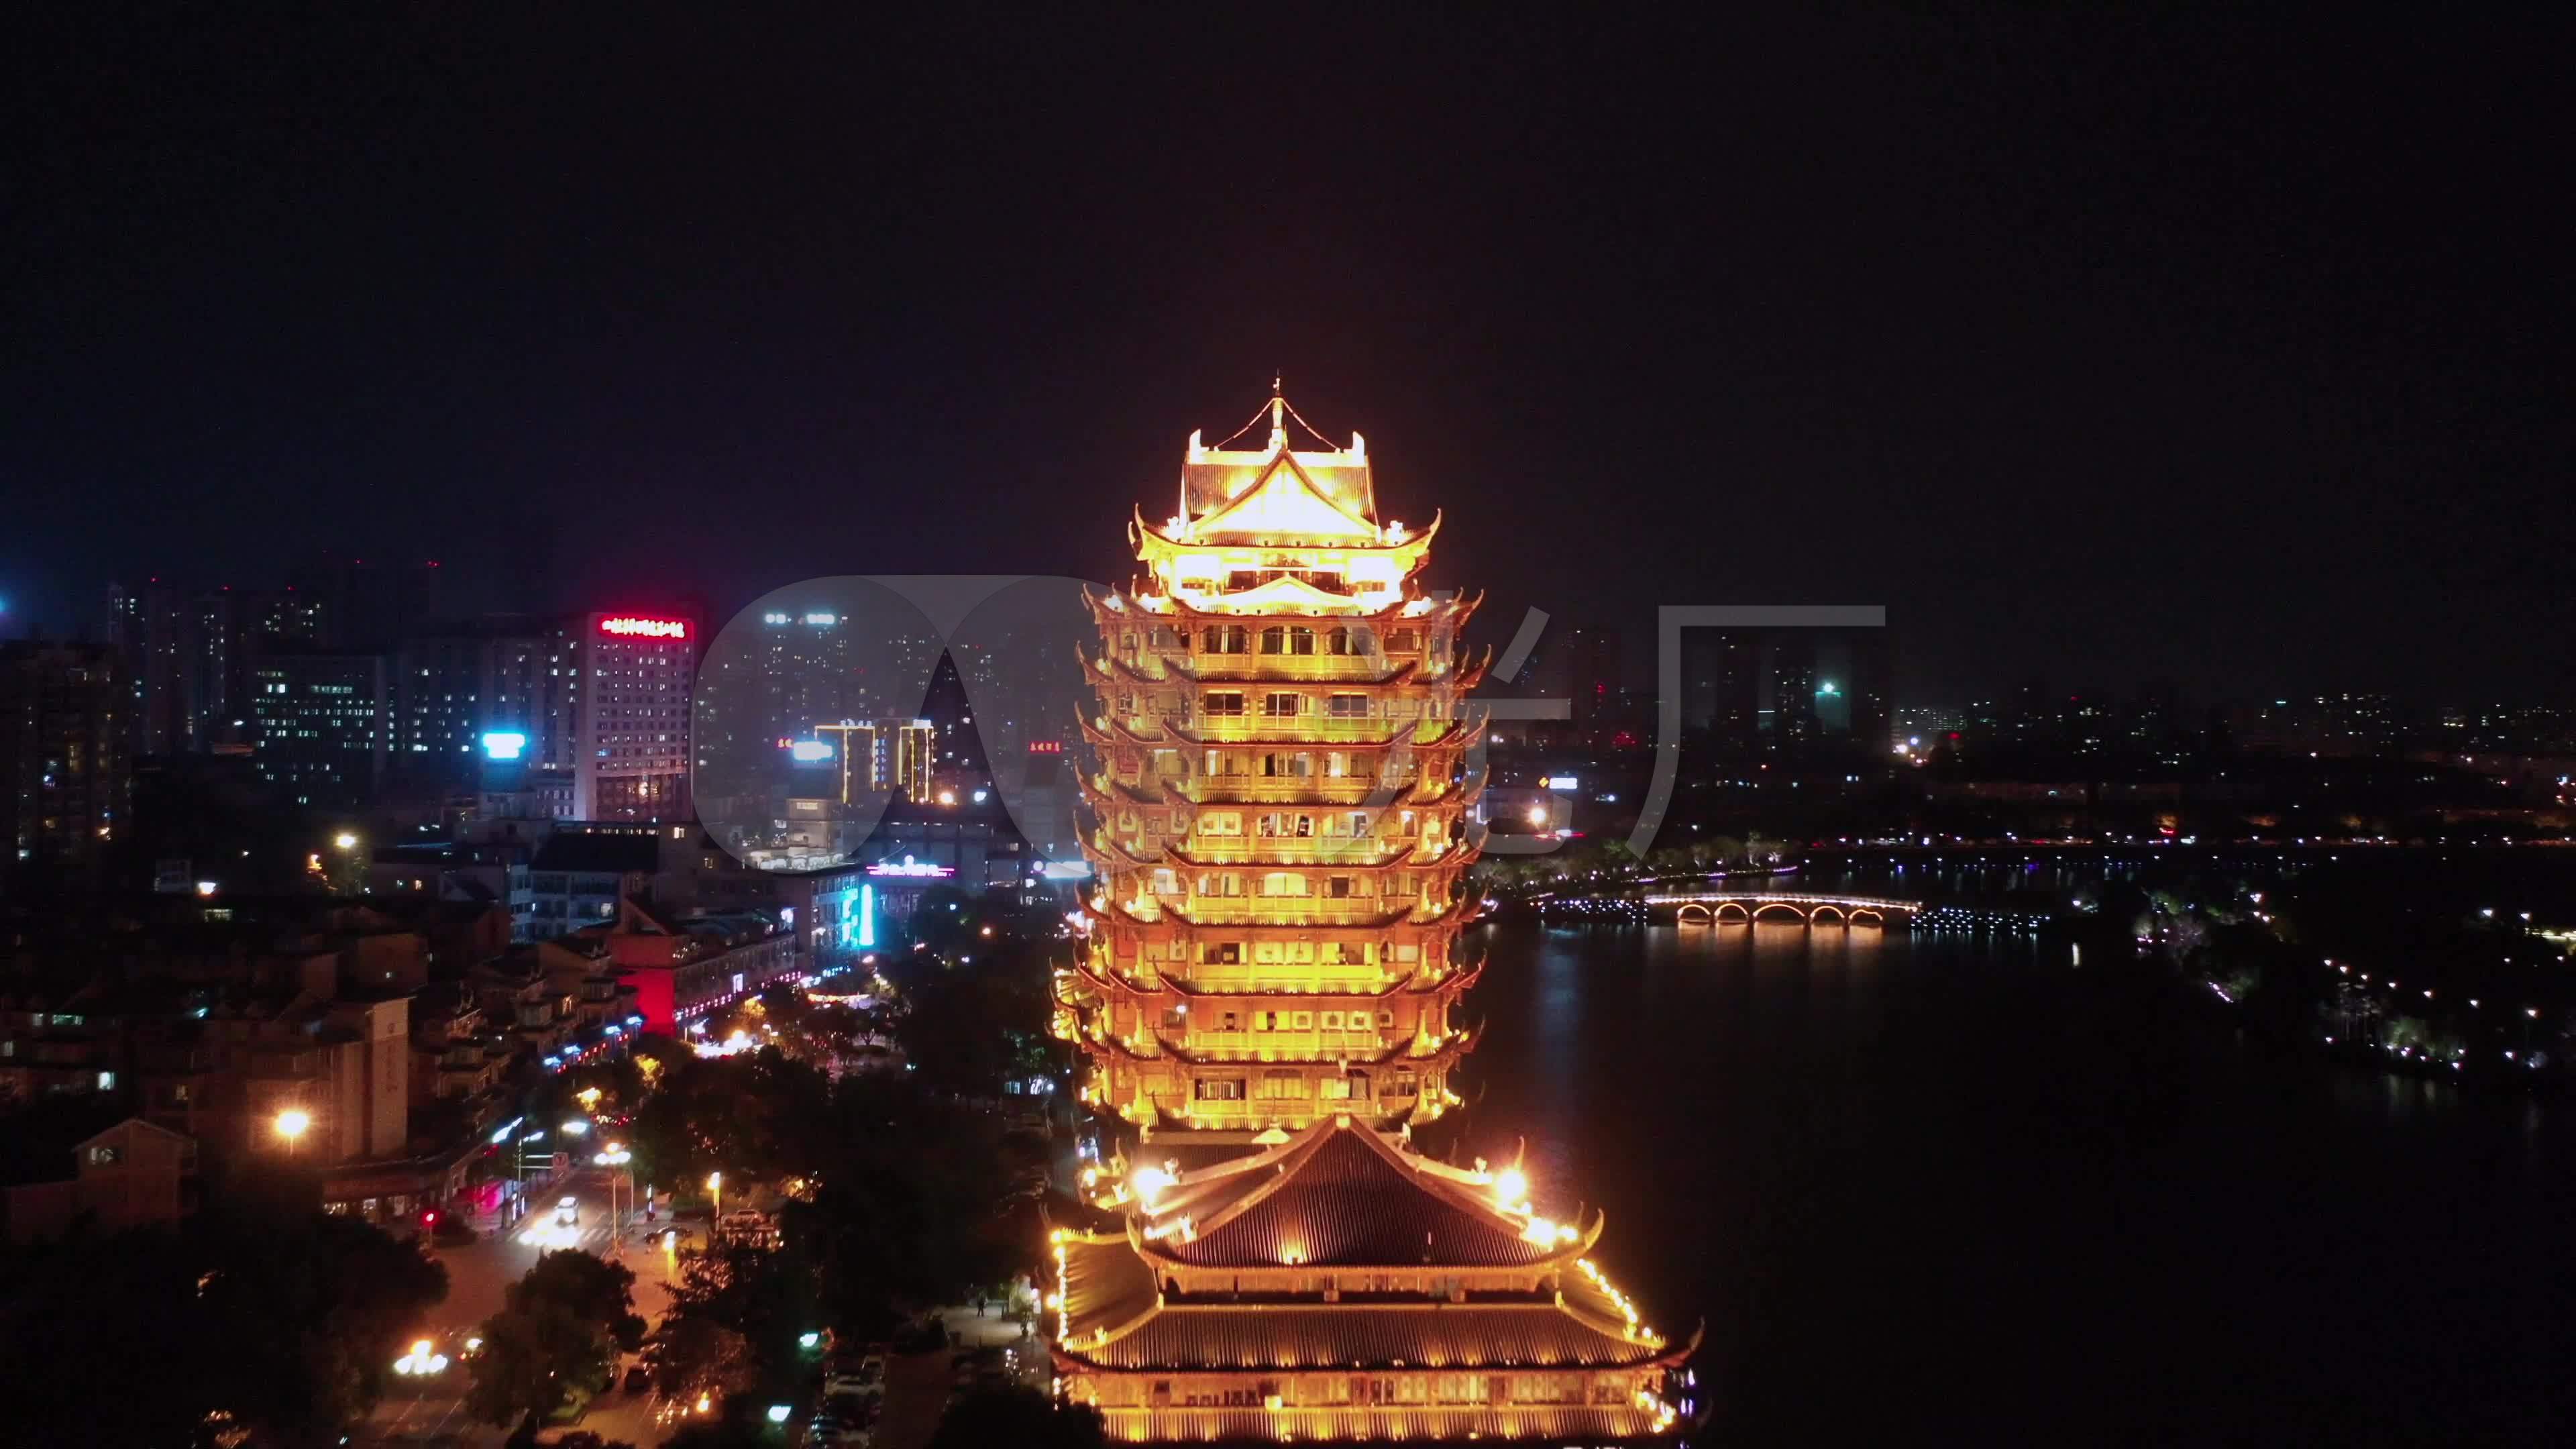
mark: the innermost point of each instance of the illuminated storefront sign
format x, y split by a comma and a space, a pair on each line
909, 867
503, 744
809, 752
631, 626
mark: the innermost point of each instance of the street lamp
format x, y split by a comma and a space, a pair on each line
615, 1155
345, 841
291, 1124
715, 1184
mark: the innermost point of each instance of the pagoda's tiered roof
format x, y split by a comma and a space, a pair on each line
1333, 1335
1343, 1197
1340, 1196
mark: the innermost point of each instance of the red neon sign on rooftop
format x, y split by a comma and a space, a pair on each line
646, 628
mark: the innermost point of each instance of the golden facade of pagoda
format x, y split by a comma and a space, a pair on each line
1279, 813
1266, 990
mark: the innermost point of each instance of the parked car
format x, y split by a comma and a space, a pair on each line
638, 1380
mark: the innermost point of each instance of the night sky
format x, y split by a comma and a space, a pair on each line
2166, 346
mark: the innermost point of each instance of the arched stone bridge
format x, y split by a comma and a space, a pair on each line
1710, 908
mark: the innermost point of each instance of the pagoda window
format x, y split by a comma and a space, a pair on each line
1165, 883
1283, 883
1225, 639
1229, 1021
1347, 706
1221, 822
1280, 703
1220, 883
1128, 643
1349, 640
1282, 765
1337, 764
1222, 702
1402, 641
1265, 1021
1282, 1087
1218, 1089
1305, 1021
1332, 1021
1220, 953
1225, 762
1352, 1087
1339, 888
1385, 1018
1402, 1086
1162, 637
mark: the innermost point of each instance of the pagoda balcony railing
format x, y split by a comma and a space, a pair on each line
1309, 729
1287, 668
1349, 792
1291, 1048
1292, 910
1360, 852
1261, 1111
1256, 728
1299, 980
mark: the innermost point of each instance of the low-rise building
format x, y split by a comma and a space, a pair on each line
127, 1174
681, 968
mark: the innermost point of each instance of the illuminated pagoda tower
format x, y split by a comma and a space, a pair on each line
1279, 842
1264, 998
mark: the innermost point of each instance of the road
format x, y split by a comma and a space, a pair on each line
478, 1279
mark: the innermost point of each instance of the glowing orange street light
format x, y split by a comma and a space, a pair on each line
292, 1124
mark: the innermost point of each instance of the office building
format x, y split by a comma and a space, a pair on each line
320, 728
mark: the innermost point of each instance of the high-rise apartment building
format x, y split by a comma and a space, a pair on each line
63, 757
629, 716
321, 727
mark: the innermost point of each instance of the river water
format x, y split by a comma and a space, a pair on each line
1925, 1186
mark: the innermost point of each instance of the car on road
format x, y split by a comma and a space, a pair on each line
638, 1380
568, 1211
856, 1376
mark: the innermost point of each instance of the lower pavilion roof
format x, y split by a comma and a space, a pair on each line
1341, 1196
1371, 1335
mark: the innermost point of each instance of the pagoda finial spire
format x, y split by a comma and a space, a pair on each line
1278, 414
